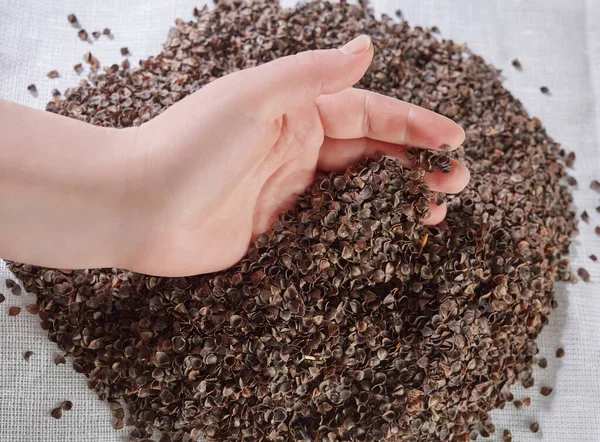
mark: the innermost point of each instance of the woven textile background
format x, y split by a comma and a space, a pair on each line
558, 44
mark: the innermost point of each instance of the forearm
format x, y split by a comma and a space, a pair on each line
63, 190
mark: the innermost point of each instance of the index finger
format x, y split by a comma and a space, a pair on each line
356, 113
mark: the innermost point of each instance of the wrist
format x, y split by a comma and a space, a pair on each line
130, 211
64, 190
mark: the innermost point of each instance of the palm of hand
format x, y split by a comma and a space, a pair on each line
290, 165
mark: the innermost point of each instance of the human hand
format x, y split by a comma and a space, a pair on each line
217, 168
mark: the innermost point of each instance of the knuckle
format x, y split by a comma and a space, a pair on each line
367, 121
307, 59
406, 135
308, 64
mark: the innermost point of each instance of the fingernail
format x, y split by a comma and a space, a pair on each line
357, 46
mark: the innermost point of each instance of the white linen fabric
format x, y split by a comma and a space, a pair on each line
558, 44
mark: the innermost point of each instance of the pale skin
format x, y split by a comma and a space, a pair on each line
187, 192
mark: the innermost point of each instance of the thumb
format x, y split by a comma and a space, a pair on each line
289, 82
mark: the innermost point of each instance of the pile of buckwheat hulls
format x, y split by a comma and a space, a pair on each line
349, 320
